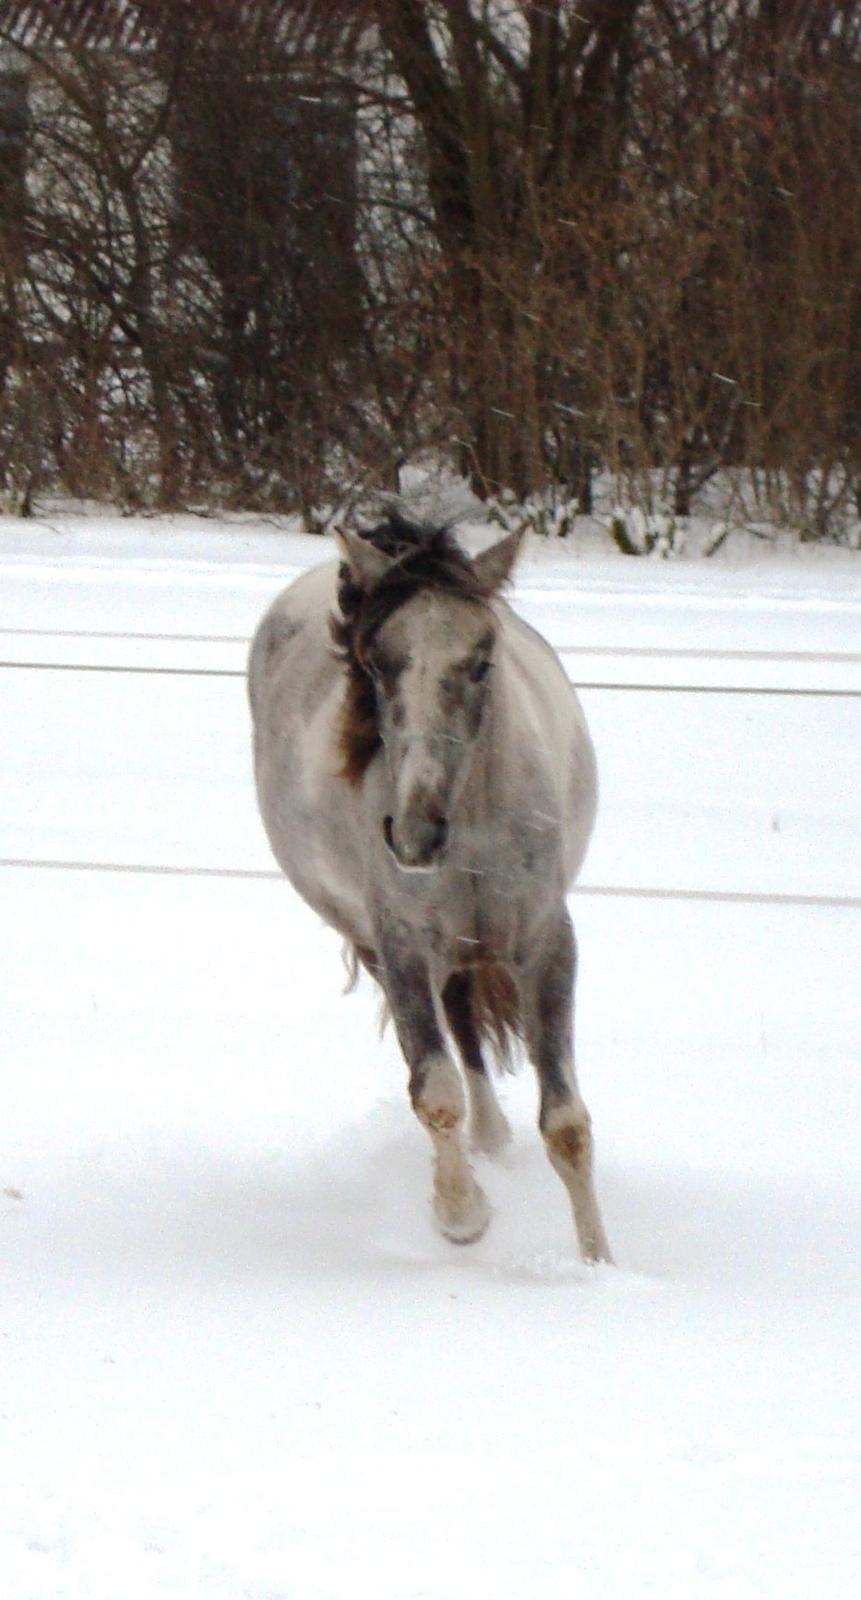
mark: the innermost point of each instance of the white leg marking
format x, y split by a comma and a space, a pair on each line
460, 1206
568, 1137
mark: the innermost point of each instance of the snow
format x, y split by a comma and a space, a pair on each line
236, 1360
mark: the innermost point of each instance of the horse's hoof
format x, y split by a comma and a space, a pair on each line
598, 1254
465, 1222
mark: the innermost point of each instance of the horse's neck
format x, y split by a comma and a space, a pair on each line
522, 690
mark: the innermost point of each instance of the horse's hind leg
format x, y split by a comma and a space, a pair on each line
489, 1130
437, 1097
547, 988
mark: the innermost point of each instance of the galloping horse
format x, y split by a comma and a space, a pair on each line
427, 782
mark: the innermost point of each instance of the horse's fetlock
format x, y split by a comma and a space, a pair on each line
462, 1211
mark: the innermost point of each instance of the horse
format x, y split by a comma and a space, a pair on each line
428, 785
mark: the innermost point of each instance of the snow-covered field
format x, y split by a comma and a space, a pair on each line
235, 1358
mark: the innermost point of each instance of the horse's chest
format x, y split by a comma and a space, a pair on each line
478, 920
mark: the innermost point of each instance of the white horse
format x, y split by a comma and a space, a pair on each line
427, 782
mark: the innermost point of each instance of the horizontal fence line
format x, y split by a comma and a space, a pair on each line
716, 688
670, 653
135, 671
110, 633
596, 891
578, 683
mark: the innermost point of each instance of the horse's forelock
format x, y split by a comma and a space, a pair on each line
423, 558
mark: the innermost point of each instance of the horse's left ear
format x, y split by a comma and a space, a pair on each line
494, 566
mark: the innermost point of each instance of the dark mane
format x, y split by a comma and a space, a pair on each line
423, 557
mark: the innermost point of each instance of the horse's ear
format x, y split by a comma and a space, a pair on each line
366, 562
494, 566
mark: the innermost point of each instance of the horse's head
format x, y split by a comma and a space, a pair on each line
418, 635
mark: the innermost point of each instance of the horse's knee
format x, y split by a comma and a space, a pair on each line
567, 1131
437, 1094
568, 1136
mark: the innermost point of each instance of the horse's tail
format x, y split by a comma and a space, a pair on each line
355, 958
496, 1012
350, 958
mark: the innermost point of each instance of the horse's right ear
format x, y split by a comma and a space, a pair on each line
366, 563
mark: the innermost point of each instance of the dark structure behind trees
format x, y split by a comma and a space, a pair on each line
265, 253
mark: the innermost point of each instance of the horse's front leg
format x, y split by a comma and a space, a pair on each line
547, 993
490, 1131
436, 1092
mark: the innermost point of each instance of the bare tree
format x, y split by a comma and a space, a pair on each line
267, 253
522, 111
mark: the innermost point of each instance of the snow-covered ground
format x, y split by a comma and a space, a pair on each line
235, 1358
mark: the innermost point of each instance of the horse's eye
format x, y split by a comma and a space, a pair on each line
479, 670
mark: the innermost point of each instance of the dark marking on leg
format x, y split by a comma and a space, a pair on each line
407, 985
563, 1118
550, 1018
570, 1143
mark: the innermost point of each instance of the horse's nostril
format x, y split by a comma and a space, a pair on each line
440, 833
424, 840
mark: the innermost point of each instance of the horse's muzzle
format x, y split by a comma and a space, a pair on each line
420, 845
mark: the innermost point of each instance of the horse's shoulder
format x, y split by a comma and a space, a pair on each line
295, 625
542, 702
528, 650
